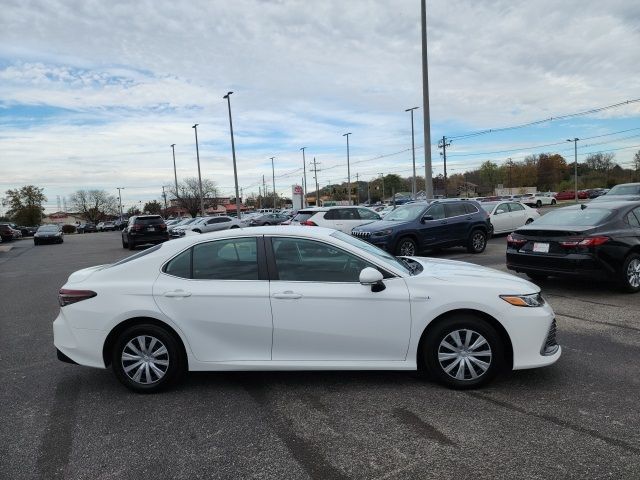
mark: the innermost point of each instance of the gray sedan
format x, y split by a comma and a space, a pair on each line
268, 219
212, 224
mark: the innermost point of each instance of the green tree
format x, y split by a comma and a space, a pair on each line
25, 205
489, 174
153, 207
636, 162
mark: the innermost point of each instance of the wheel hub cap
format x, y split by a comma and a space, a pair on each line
633, 273
145, 359
464, 354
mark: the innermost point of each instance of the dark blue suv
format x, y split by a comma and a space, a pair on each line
433, 224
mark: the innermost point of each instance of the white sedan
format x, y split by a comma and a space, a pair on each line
298, 298
508, 216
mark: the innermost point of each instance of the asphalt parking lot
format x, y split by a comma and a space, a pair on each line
576, 419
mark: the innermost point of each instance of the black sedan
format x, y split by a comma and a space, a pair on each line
86, 228
48, 234
597, 240
268, 219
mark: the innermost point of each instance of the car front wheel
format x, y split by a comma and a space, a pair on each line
147, 358
477, 241
406, 247
463, 352
631, 274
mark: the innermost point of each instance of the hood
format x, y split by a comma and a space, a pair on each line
463, 273
615, 198
380, 225
82, 275
46, 234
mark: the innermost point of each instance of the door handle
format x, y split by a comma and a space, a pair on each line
177, 294
288, 295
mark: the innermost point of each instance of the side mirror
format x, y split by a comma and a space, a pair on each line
426, 218
373, 277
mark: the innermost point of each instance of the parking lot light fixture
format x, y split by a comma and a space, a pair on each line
413, 150
175, 173
273, 178
195, 127
348, 170
575, 165
233, 153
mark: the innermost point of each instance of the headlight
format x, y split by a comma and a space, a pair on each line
382, 233
532, 300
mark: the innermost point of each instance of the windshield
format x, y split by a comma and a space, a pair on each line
366, 246
577, 217
405, 212
48, 228
624, 190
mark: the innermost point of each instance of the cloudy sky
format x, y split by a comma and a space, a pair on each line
92, 93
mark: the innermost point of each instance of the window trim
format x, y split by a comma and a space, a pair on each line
273, 268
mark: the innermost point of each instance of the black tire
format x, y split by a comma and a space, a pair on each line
266, 224
553, 201
35, 242
197, 230
529, 220
131, 244
477, 241
124, 244
234, 226
537, 277
539, 204
630, 274
173, 370
61, 240
406, 247
463, 323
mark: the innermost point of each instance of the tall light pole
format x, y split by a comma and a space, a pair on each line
348, 170
273, 178
575, 165
233, 152
382, 175
120, 200
414, 191
304, 178
175, 172
195, 127
428, 180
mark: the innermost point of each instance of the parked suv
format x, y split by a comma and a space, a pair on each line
422, 225
340, 218
144, 229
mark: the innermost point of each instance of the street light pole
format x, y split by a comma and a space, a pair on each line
175, 172
428, 180
195, 127
575, 165
233, 152
120, 200
304, 169
273, 178
348, 170
414, 191
382, 174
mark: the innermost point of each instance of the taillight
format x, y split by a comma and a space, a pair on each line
163, 226
136, 227
586, 242
309, 223
67, 297
515, 242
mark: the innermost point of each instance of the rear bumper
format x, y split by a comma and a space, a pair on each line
578, 265
78, 345
144, 238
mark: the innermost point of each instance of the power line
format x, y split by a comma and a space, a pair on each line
538, 122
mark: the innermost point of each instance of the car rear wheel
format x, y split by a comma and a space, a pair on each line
631, 274
197, 230
529, 220
463, 351
406, 247
131, 244
477, 241
539, 203
124, 244
35, 242
553, 201
147, 358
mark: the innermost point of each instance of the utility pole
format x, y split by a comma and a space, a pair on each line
414, 191
348, 170
260, 197
120, 200
315, 175
575, 165
382, 174
443, 145
195, 127
304, 178
273, 176
369, 192
233, 152
264, 188
428, 180
175, 172
357, 191
510, 165
164, 195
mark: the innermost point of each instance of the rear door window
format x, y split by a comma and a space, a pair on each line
232, 259
454, 209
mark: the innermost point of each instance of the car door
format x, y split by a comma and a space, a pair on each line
458, 221
517, 214
347, 219
217, 292
500, 218
321, 312
432, 228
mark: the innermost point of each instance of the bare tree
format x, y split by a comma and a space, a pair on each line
94, 205
188, 195
636, 161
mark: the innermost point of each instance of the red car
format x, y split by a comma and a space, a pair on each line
570, 195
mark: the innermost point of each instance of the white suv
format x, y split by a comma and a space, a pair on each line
339, 218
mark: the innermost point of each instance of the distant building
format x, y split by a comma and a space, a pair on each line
63, 218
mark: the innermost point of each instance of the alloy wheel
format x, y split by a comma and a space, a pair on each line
145, 359
464, 354
478, 241
633, 273
407, 248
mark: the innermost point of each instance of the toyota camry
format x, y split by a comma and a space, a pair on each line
297, 298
